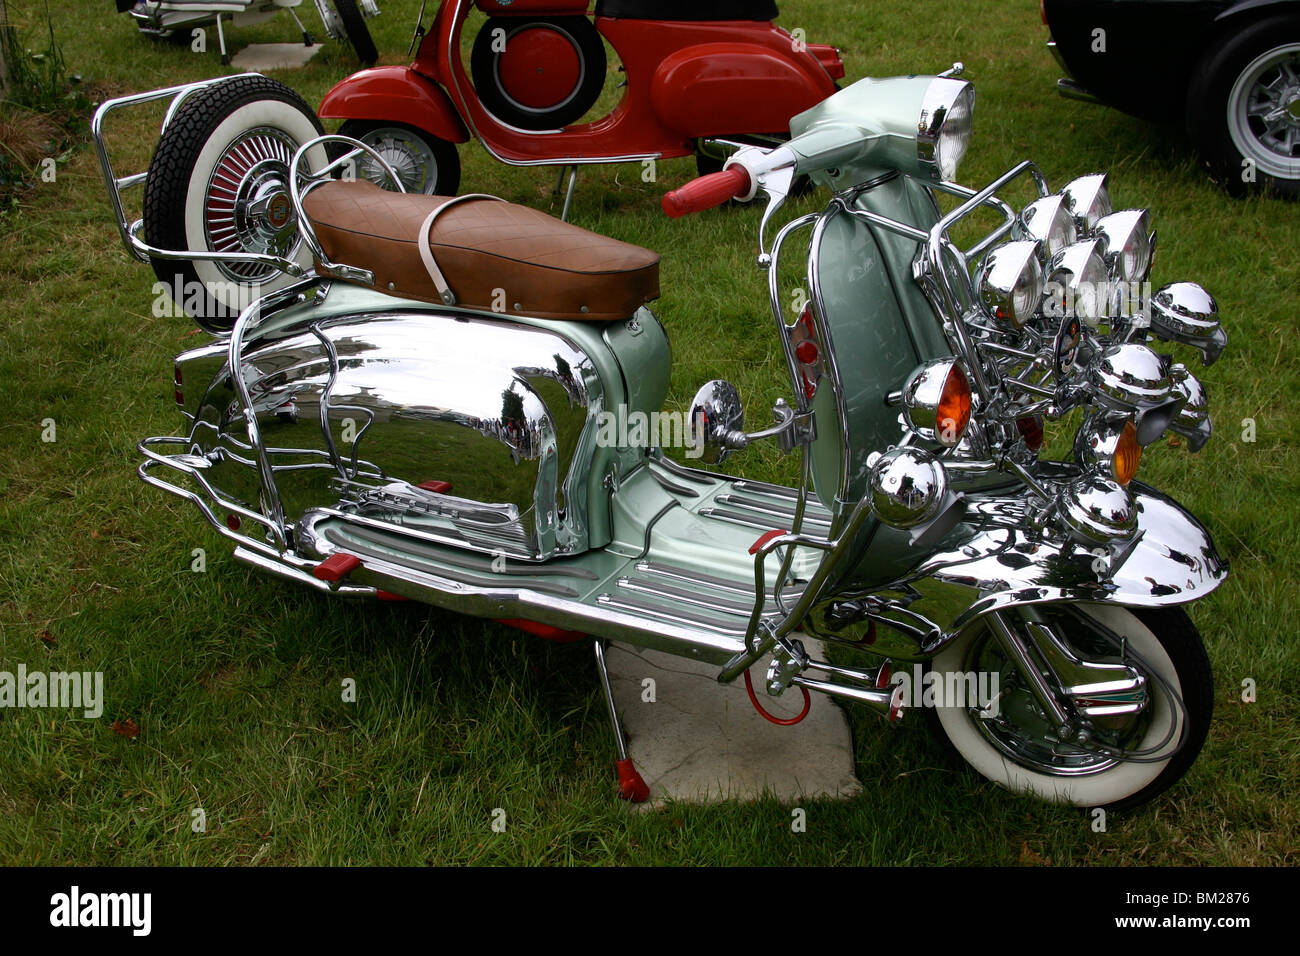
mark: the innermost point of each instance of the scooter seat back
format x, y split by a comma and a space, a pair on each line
494, 256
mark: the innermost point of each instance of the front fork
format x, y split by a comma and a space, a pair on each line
1069, 689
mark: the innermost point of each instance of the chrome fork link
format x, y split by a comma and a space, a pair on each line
1095, 688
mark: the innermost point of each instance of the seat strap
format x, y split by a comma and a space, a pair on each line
426, 251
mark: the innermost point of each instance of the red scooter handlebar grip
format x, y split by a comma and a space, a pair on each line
707, 192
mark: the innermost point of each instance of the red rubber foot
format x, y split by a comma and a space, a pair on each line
765, 538
630, 784
336, 567
437, 487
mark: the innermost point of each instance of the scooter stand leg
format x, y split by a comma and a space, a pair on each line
221, 42
568, 195
306, 37
631, 785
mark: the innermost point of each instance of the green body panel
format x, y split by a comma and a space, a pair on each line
880, 325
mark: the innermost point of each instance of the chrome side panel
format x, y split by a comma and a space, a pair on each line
359, 413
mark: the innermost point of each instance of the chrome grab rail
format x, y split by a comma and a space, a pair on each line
128, 230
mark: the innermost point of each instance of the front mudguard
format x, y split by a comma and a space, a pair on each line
991, 562
395, 94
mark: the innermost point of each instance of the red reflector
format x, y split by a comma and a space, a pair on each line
336, 567
437, 487
233, 522
806, 352
764, 539
1031, 429
177, 376
390, 596
180, 397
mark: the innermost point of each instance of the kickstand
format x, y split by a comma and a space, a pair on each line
221, 42
631, 786
306, 37
568, 194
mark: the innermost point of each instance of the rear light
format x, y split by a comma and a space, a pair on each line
1031, 430
806, 352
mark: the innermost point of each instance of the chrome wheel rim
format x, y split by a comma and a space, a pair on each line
408, 154
1023, 734
247, 206
1264, 112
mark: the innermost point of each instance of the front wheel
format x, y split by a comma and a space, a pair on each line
1243, 109
1011, 742
344, 20
424, 163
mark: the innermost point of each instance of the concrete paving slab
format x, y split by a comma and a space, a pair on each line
701, 741
257, 57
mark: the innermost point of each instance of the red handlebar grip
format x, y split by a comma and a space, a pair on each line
707, 192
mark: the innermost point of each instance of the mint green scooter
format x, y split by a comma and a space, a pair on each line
459, 401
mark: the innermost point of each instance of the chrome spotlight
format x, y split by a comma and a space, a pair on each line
1127, 244
1078, 284
1193, 422
1049, 221
1087, 199
1132, 378
909, 490
1010, 282
1098, 511
1184, 312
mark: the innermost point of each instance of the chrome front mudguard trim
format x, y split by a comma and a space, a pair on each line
1175, 562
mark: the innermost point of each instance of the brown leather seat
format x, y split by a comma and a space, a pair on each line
494, 256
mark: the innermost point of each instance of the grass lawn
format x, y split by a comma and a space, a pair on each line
233, 679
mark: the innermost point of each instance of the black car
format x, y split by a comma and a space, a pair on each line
1229, 70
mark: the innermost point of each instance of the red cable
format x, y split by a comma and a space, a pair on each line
783, 721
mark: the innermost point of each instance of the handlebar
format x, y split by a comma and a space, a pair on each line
707, 192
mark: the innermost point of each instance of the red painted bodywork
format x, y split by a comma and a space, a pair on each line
685, 80
395, 94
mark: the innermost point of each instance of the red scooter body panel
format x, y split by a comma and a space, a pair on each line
395, 94
685, 80
656, 116
715, 89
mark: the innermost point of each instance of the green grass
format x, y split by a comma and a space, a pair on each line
234, 679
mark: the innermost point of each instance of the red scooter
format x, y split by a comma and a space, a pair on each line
694, 69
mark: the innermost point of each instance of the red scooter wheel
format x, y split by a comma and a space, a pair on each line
538, 74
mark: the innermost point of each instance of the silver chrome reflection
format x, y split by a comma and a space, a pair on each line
922, 396
1010, 282
1088, 200
944, 126
1049, 221
908, 487
1126, 244
1193, 421
1098, 510
1184, 312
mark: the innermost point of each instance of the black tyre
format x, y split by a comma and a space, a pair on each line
425, 163
356, 31
567, 82
1243, 108
219, 182
1017, 749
